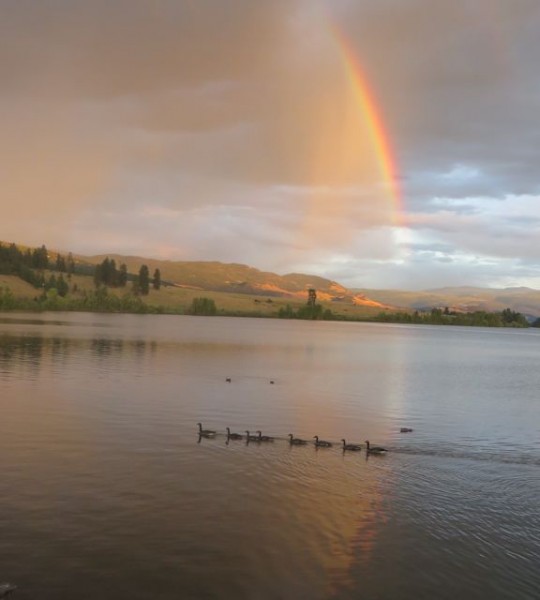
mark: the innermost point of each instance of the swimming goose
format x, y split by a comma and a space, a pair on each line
233, 436
321, 443
351, 447
6, 589
296, 441
251, 438
264, 438
405, 430
228, 379
206, 432
375, 449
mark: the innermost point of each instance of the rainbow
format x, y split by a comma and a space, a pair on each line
372, 114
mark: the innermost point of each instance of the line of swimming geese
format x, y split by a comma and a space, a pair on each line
293, 441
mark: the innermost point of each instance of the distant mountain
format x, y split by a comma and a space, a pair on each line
465, 299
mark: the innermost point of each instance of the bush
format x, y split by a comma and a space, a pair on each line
203, 306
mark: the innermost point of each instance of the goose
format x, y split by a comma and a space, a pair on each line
233, 436
228, 380
405, 430
206, 432
296, 441
375, 449
264, 438
351, 447
251, 438
321, 443
6, 589
271, 381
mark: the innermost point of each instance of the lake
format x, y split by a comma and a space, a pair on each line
107, 492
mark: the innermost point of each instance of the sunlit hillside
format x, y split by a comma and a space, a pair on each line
462, 299
242, 279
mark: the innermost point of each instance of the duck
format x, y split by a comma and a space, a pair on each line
321, 443
206, 432
233, 436
228, 379
264, 438
375, 449
251, 438
6, 589
405, 430
296, 441
351, 447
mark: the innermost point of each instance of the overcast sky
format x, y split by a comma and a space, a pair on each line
228, 130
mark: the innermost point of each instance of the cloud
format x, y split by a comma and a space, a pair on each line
204, 129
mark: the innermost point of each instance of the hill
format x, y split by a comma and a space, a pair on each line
462, 299
241, 279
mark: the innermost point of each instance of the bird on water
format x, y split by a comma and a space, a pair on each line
264, 438
296, 441
375, 449
405, 430
321, 443
351, 447
251, 438
206, 432
233, 436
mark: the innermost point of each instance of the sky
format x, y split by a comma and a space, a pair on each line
379, 143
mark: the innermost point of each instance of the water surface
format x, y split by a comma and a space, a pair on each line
106, 491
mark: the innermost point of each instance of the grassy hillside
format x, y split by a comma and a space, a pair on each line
241, 279
226, 276
18, 287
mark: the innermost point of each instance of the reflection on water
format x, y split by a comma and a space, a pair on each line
28, 355
105, 491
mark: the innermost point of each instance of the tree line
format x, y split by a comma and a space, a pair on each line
107, 274
438, 316
30, 266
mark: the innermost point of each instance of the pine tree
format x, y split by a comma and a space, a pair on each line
70, 265
62, 286
60, 263
157, 279
122, 275
144, 280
